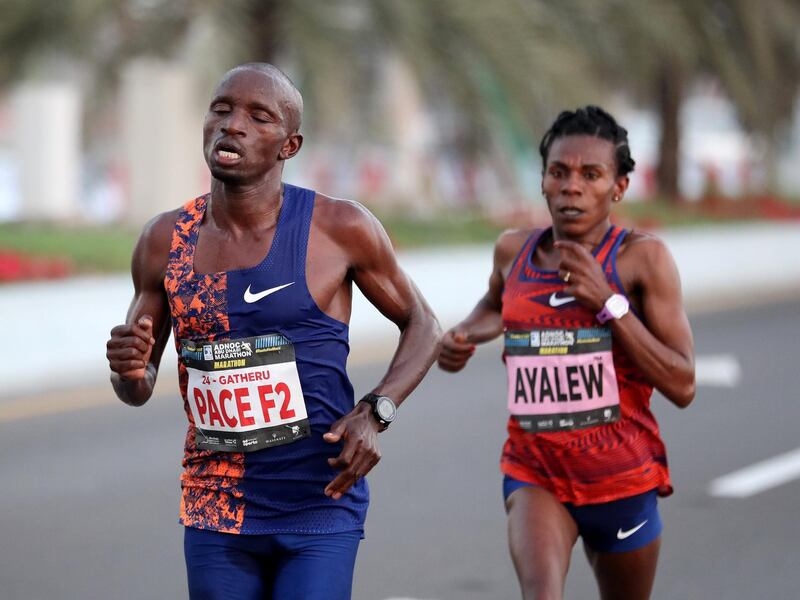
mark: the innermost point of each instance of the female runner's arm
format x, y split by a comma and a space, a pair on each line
485, 322
660, 344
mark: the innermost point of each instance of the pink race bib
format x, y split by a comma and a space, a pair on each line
561, 379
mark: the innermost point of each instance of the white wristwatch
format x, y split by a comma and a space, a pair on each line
616, 307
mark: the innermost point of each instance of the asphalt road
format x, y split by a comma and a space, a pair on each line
91, 494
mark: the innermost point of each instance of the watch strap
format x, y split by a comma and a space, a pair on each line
604, 315
607, 313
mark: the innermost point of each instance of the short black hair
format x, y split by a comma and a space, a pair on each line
590, 120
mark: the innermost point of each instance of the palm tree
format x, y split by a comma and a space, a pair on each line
753, 49
38, 36
656, 49
499, 70
647, 50
502, 66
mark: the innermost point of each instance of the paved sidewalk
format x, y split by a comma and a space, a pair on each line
55, 332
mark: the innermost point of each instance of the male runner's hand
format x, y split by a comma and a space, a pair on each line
128, 351
359, 431
587, 282
455, 352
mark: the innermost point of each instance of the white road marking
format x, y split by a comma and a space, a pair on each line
759, 477
719, 370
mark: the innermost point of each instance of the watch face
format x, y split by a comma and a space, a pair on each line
617, 305
385, 409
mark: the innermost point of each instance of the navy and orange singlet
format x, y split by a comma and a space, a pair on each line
262, 375
580, 425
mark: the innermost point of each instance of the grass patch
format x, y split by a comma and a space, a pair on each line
108, 248
439, 230
90, 249
707, 211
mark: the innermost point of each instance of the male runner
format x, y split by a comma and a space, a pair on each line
255, 279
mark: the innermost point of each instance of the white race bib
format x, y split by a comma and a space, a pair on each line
245, 394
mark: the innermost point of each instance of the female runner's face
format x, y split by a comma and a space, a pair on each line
580, 182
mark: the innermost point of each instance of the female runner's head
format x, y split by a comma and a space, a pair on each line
585, 165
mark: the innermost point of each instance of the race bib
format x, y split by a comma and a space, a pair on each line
245, 394
561, 379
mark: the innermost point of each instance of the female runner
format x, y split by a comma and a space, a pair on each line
593, 320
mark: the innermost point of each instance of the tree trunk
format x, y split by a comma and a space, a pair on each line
771, 172
670, 95
266, 29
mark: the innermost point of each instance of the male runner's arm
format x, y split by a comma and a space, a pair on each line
374, 269
135, 348
660, 344
485, 322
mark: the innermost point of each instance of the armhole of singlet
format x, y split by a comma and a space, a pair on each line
612, 258
526, 252
304, 231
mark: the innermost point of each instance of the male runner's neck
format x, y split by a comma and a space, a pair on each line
250, 207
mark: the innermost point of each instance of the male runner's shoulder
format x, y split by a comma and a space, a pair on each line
346, 228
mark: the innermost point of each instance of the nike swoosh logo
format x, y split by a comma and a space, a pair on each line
556, 301
621, 535
250, 297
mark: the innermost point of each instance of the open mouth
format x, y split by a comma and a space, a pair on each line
227, 154
570, 211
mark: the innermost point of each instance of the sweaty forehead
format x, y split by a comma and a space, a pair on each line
251, 83
576, 150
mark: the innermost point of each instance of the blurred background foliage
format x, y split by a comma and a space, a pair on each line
490, 75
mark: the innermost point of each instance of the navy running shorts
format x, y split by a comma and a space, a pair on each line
278, 566
618, 526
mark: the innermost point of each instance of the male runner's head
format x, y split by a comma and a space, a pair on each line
292, 100
252, 123
593, 121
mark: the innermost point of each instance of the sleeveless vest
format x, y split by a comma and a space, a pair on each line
600, 461
239, 334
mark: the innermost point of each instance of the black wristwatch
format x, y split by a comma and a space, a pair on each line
383, 409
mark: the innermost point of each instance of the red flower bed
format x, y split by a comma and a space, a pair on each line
19, 267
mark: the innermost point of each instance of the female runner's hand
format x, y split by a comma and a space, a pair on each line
586, 280
456, 351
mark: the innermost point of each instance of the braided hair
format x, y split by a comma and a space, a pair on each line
594, 121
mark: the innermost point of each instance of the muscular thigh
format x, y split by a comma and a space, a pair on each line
625, 575
622, 541
541, 534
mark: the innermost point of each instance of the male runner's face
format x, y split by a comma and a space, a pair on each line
246, 128
579, 183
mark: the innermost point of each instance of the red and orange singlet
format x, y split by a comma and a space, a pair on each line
580, 424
